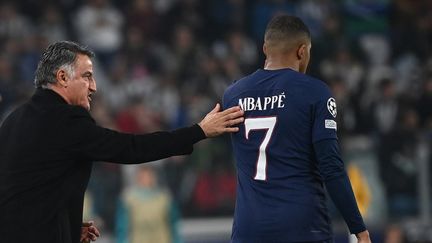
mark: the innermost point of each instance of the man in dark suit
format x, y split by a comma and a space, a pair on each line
47, 145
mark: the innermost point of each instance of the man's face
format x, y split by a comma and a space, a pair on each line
82, 84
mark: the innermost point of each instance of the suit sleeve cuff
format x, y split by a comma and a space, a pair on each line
197, 133
190, 135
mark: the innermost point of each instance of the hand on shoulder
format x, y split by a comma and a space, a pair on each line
217, 122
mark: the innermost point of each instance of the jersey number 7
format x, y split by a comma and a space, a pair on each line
261, 123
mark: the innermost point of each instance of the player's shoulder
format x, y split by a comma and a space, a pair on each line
239, 83
285, 79
312, 82
315, 87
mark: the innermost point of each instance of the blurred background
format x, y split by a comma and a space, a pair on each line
163, 64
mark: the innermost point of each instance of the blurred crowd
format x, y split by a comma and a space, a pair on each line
162, 64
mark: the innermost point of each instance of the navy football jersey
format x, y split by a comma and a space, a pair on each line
280, 192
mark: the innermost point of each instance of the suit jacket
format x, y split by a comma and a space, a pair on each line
46, 153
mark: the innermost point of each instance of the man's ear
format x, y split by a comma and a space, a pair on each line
265, 49
62, 78
301, 51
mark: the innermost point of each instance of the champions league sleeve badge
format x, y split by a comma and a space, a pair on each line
331, 106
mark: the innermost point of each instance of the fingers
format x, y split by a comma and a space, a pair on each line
89, 232
231, 117
231, 110
236, 121
231, 129
91, 236
217, 122
235, 115
215, 109
94, 230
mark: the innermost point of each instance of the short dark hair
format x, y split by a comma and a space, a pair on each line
57, 55
285, 27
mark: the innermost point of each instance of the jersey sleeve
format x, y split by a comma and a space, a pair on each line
324, 117
338, 184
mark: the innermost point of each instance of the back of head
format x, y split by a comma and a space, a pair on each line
285, 33
58, 55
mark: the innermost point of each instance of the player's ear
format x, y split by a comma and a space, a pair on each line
62, 77
301, 51
265, 49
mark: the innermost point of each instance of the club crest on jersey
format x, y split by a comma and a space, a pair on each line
331, 106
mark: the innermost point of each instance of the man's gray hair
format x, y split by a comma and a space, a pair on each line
59, 55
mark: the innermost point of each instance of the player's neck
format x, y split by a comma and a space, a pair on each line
276, 63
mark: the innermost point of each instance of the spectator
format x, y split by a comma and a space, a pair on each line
181, 57
12, 23
238, 46
394, 234
385, 108
143, 16
52, 25
187, 12
425, 103
263, 10
98, 24
398, 156
314, 13
146, 212
225, 15
343, 65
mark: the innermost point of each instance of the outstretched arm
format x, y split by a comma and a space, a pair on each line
88, 141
